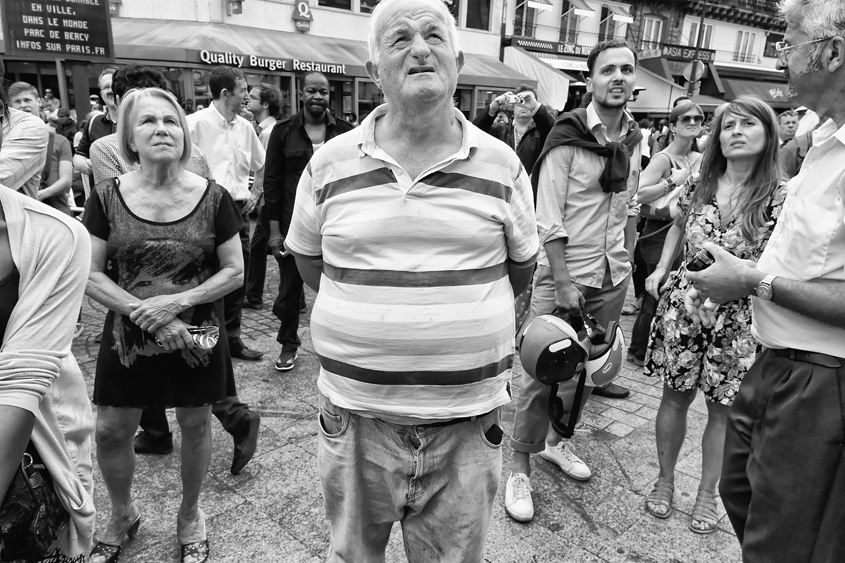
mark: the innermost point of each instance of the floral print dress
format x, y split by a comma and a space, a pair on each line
683, 352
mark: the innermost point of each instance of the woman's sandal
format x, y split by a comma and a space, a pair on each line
704, 513
198, 551
660, 496
111, 553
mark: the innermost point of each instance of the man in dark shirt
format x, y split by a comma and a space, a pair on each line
292, 143
99, 126
531, 125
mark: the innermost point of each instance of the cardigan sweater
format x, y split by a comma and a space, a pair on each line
38, 373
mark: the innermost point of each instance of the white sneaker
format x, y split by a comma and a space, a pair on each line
565, 458
518, 503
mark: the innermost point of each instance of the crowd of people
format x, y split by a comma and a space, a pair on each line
433, 243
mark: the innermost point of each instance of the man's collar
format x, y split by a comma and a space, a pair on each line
267, 122
222, 117
367, 133
593, 120
298, 120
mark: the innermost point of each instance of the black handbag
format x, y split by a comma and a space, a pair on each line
32, 517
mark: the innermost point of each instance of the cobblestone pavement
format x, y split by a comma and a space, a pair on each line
272, 511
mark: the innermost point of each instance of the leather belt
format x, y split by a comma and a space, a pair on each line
444, 423
809, 357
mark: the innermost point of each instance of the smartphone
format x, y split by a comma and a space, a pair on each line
700, 261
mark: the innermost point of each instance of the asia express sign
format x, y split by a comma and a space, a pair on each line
269, 63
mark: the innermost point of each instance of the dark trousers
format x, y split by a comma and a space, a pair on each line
783, 476
287, 304
230, 412
650, 248
257, 270
233, 303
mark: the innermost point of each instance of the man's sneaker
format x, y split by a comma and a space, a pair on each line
285, 361
563, 456
518, 503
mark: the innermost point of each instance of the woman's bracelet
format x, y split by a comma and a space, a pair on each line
668, 185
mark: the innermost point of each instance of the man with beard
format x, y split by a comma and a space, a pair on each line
233, 149
783, 477
586, 180
418, 230
292, 143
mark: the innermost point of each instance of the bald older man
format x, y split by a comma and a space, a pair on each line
418, 230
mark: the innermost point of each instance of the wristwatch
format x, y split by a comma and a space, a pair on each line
764, 288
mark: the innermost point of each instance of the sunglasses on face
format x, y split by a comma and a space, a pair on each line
685, 119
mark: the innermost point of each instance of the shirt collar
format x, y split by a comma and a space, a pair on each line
297, 121
267, 122
597, 127
367, 134
222, 117
827, 130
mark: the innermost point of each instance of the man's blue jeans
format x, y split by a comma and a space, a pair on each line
438, 482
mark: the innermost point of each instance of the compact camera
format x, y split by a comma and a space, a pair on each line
514, 98
700, 261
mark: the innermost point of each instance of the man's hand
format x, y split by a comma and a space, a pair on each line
85, 167
529, 102
652, 283
568, 299
155, 312
498, 103
277, 246
729, 278
249, 205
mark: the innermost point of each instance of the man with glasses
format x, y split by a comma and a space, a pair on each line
98, 126
783, 477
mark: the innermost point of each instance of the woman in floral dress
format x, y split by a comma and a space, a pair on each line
733, 202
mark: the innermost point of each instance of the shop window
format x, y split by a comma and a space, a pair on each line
568, 24
523, 23
769, 50
607, 27
339, 4
369, 98
367, 6
744, 51
478, 14
484, 98
706, 38
652, 33
454, 7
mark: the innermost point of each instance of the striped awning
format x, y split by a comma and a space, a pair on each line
620, 14
581, 8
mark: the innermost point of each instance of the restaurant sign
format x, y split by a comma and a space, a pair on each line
269, 63
532, 44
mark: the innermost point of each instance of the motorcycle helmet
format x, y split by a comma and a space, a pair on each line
551, 350
605, 358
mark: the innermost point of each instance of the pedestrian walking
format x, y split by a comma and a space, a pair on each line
265, 103
155, 224
233, 150
660, 186
586, 181
783, 476
734, 202
291, 146
418, 230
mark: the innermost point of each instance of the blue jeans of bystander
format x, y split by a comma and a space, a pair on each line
438, 481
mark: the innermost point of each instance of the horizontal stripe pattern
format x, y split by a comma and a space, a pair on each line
394, 278
415, 311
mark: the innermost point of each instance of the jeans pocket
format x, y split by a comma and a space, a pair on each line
490, 429
332, 425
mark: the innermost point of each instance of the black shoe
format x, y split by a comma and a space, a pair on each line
158, 446
246, 443
250, 304
612, 391
241, 352
286, 361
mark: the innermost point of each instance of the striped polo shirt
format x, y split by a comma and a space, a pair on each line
414, 318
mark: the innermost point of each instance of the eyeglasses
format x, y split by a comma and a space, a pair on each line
685, 119
783, 48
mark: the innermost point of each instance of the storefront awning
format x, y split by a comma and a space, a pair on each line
620, 14
658, 95
581, 8
552, 86
773, 93
192, 42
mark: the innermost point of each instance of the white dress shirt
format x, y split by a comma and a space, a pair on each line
232, 148
808, 243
